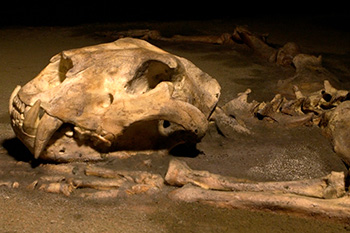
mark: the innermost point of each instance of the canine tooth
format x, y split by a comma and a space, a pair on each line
31, 120
14, 93
26, 109
48, 125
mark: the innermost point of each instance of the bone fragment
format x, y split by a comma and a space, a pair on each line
99, 184
9, 184
63, 188
32, 185
211, 39
257, 44
52, 178
334, 209
142, 188
6, 184
286, 54
239, 107
287, 114
306, 61
46, 128
139, 177
144, 34
294, 121
332, 96
330, 186
229, 126
113, 193
31, 120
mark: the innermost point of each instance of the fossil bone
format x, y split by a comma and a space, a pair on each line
335, 209
331, 186
327, 108
124, 95
67, 178
323, 197
337, 128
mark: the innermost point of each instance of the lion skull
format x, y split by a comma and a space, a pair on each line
123, 95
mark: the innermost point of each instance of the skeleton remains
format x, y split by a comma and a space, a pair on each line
124, 95
129, 96
327, 108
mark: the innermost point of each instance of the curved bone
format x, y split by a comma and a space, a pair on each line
48, 125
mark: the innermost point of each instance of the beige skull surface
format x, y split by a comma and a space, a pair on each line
123, 95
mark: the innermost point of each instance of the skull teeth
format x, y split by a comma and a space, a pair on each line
34, 132
31, 119
47, 126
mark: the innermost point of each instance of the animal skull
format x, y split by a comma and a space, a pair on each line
123, 95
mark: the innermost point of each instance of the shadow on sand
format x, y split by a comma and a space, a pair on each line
16, 149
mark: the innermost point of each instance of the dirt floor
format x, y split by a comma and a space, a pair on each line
272, 153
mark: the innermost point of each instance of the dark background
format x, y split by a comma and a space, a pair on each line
58, 13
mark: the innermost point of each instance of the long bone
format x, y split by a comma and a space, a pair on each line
337, 210
292, 197
330, 186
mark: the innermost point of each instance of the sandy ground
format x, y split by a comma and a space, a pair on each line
271, 154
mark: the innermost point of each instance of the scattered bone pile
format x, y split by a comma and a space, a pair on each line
98, 182
323, 197
328, 108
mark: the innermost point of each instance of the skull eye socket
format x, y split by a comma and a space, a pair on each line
64, 65
148, 76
